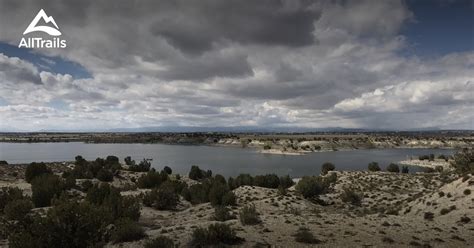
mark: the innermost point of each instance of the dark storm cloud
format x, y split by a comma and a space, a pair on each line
208, 66
196, 26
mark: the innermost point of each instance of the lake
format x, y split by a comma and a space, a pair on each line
228, 161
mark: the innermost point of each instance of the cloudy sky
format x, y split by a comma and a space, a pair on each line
353, 64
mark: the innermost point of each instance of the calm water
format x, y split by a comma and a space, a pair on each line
228, 161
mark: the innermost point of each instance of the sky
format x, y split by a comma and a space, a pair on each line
396, 65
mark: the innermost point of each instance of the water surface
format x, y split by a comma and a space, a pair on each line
228, 161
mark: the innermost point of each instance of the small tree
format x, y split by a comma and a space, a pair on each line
393, 168
326, 167
35, 169
312, 186
405, 169
161, 199
373, 166
167, 170
44, 188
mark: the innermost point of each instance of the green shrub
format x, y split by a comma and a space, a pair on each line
326, 167
36, 169
197, 174
249, 215
18, 209
168, 170
105, 175
143, 166
222, 214
229, 199
9, 194
240, 180
467, 192
373, 166
405, 169
350, 196
286, 182
152, 179
3, 162
86, 185
428, 216
128, 161
117, 205
311, 186
393, 168
44, 188
217, 192
267, 181
126, 231
303, 235
464, 161
160, 242
66, 224
215, 234
198, 193
162, 199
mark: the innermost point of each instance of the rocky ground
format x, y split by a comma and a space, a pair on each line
394, 211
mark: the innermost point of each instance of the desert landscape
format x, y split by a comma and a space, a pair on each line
373, 208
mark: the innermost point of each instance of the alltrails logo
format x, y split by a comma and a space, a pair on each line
38, 42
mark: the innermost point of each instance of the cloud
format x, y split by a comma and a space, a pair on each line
226, 63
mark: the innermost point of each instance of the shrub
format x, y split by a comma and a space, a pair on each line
373, 166
326, 167
143, 166
222, 214
127, 230
167, 170
439, 168
267, 181
464, 161
240, 180
444, 211
67, 224
217, 192
303, 235
9, 194
35, 169
286, 182
86, 185
105, 175
467, 191
152, 179
128, 161
162, 199
351, 197
215, 234
198, 193
249, 215
393, 168
312, 186
117, 205
428, 216
160, 242
18, 209
3, 162
44, 188
229, 199
197, 174
405, 169
465, 219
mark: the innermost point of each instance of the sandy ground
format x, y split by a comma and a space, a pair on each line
391, 214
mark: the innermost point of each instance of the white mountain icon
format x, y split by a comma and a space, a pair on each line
47, 19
